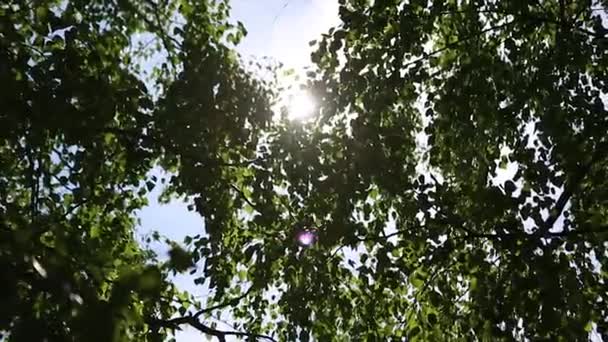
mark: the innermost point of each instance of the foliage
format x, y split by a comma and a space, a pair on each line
469, 139
455, 173
81, 128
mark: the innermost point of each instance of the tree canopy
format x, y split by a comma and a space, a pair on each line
453, 175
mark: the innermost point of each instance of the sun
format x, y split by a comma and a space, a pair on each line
301, 106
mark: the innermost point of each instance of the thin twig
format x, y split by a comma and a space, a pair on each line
279, 13
133, 135
244, 197
65, 162
230, 302
453, 44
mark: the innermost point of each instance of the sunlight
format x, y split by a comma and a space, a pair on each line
301, 106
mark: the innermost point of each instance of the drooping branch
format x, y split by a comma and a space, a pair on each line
523, 235
194, 322
159, 143
559, 23
456, 43
497, 236
230, 302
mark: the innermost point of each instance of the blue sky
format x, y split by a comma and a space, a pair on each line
280, 29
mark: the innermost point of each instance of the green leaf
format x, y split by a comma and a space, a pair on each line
432, 318
414, 331
150, 185
417, 280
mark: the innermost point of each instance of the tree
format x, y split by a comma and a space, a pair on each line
465, 163
81, 128
454, 176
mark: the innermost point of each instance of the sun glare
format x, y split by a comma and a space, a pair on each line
301, 106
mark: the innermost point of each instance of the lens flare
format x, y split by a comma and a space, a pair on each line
306, 238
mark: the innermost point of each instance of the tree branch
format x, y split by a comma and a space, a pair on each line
559, 23
65, 162
164, 37
174, 323
129, 134
35, 183
570, 188
455, 43
502, 236
242, 194
230, 302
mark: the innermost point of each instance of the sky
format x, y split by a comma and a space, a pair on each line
281, 30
